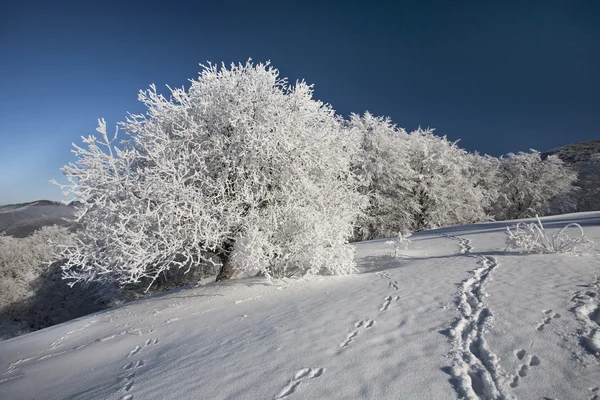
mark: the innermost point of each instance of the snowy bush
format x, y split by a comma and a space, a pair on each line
23, 260
414, 181
528, 185
443, 188
241, 165
532, 237
32, 292
386, 177
400, 243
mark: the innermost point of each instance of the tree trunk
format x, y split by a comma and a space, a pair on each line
226, 271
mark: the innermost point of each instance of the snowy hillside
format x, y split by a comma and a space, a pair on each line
456, 317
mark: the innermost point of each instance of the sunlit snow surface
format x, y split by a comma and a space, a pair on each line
457, 316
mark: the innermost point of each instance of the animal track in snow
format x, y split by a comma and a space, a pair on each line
393, 285
595, 393
528, 361
130, 367
58, 342
587, 310
387, 302
300, 377
135, 350
363, 324
549, 315
383, 275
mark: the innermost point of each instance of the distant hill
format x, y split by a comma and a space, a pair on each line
575, 153
20, 220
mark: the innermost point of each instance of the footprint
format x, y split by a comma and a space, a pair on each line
550, 315
523, 371
134, 351
393, 284
349, 338
363, 324
299, 377
128, 386
127, 397
535, 361
383, 275
387, 301
595, 393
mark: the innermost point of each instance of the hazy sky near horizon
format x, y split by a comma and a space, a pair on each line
502, 76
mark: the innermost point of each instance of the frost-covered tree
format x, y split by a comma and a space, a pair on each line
386, 177
483, 171
528, 184
588, 196
241, 166
443, 187
414, 181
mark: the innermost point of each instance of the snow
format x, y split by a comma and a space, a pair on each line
455, 315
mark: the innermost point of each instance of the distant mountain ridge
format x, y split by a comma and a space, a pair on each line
575, 153
21, 220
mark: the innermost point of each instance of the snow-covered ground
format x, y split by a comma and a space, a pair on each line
456, 317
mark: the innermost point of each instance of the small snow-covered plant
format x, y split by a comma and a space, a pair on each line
400, 243
532, 237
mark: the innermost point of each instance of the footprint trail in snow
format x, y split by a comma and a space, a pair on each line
475, 368
130, 368
586, 306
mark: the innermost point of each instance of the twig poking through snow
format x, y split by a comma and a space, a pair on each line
400, 243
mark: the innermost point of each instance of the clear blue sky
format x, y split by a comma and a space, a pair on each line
501, 76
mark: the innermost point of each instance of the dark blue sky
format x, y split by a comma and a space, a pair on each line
501, 76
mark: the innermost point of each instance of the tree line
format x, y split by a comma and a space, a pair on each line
244, 173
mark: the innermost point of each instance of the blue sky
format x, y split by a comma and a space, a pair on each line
501, 76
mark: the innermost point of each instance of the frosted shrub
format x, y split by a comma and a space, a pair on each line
241, 165
443, 188
532, 237
32, 292
23, 260
528, 184
386, 177
413, 181
400, 243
